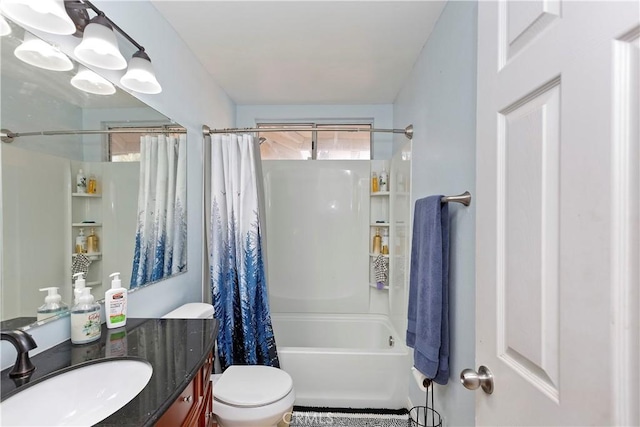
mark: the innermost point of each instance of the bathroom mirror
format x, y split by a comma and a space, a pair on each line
42, 210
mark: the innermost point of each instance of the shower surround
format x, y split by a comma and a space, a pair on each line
324, 311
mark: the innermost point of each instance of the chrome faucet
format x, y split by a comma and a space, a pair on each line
23, 342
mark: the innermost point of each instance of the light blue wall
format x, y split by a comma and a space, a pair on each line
191, 98
439, 98
380, 114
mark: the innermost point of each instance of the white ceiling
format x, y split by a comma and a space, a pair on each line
305, 52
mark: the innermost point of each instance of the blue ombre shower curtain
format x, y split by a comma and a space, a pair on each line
238, 279
161, 234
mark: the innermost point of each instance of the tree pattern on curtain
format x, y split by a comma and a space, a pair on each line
161, 236
238, 281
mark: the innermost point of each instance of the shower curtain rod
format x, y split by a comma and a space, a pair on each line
8, 136
408, 131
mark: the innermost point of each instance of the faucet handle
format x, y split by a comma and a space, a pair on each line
23, 342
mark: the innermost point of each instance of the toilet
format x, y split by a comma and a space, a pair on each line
244, 395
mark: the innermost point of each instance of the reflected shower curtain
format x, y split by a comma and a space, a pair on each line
238, 280
162, 223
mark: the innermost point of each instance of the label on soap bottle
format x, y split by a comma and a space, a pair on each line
85, 327
117, 308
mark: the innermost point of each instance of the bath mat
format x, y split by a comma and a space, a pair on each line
305, 416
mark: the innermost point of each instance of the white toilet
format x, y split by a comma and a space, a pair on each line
245, 396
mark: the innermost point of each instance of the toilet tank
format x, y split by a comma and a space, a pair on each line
192, 310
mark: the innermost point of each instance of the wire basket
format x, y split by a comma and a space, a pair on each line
423, 416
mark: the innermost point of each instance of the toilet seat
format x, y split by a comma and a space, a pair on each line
248, 386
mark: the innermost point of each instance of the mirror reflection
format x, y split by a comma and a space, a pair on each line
84, 203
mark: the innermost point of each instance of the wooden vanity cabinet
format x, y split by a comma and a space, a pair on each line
194, 406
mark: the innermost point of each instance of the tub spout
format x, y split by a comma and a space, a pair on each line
23, 342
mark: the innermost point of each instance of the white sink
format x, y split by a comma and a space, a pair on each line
80, 396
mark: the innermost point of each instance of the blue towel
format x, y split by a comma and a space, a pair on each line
428, 314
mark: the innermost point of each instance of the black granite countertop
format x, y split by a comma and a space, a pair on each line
175, 348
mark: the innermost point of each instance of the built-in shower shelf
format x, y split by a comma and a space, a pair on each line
384, 288
380, 193
94, 195
376, 255
380, 224
87, 224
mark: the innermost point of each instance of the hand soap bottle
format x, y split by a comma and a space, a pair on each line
85, 319
53, 304
80, 284
115, 303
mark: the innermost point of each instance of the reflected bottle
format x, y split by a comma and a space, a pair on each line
92, 242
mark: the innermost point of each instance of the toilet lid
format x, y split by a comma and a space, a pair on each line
242, 385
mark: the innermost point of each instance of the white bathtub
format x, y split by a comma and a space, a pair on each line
345, 361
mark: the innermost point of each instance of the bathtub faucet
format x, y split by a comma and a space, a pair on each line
23, 342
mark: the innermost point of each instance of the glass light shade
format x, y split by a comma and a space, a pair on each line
41, 54
5, 28
140, 76
89, 81
44, 15
99, 46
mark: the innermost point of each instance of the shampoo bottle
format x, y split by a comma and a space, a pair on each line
85, 319
81, 242
91, 186
385, 242
93, 246
383, 180
53, 304
79, 286
115, 303
377, 242
81, 182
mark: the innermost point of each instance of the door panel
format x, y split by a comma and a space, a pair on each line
527, 282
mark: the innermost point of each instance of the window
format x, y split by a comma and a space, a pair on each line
125, 146
305, 142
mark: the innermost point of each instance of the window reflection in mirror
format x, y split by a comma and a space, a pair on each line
43, 210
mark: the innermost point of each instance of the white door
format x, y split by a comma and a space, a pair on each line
557, 212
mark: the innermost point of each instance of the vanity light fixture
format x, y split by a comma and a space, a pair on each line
140, 76
91, 82
41, 54
43, 15
99, 46
5, 28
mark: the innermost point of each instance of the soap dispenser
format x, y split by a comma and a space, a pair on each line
53, 304
85, 319
115, 303
79, 286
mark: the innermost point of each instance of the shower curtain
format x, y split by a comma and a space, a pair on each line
162, 224
236, 259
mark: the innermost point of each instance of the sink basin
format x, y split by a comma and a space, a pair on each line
79, 396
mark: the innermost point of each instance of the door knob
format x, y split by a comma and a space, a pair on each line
472, 380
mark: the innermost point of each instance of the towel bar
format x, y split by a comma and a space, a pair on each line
464, 198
